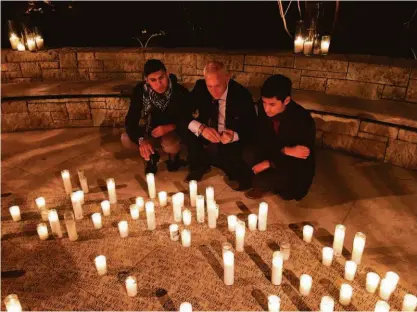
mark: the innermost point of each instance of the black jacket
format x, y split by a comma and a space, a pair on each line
175, 113
240, 109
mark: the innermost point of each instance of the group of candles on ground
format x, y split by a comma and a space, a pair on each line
387, 285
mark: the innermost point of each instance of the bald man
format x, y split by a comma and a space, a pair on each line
223, 116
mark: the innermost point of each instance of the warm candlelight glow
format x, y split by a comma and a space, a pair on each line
274, 303
298, 44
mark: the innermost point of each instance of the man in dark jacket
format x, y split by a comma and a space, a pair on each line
223, 112
156, 113
283, 159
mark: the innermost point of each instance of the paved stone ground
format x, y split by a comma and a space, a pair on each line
377, 199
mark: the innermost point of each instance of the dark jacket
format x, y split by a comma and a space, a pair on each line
173, 114
240, 109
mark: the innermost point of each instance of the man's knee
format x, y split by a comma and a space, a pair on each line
171, 143
127, 142
249, 156
264, 182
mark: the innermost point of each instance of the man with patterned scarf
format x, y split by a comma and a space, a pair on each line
155, 115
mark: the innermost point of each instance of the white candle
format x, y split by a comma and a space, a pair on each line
96, 217
262, 218
150, 215
305, 284
200, 208
150, 179
21, 47
393, 278
327, 304
81, 196
83, 181
382, 306
123, 229
31, 44
339, 237
226, 246
105, 206
285, 249
181, 197
140, 202
186, 307
71, 226
162, 196
176, 207
212, 215
101, 265
111, 188
325, 44
15, 213
274, 303
42, 230
345, 295
173, 232
307, 233
298, 44
350, 270
186, 238
134, 211
40, 203
209, 195
67, 181
308, 47
409, 303
277, 265
12, 303
372, 282
186, 217
327, 255
77, 205
131, 286
386, 289
252, 222
14, 41
231, 223
54, 222
193, 192
39, 42
229, 267
358, 247
240, 236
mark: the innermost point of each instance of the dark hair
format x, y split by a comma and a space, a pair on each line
278, 86
152, 66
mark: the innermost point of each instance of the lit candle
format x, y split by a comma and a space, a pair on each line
14, 41
123, 229
81, 196
252, 222
162, 196
140, 202
42, 230
77, 206
285, 248
240, 236
339, 237
186, 238
231, 223
54, 222
277, 265
181, 198
176, 207
134, 211
350, 270
226, 246
21, 47
345, 295
305, 284
186, 307
298, 44
105, 206
193, 192
31, 44
70, 225
40, 203
131, 286
307, 233
150, 179
211, 213
393, 278
200, 208
358, 246
382, 306
83, 179
67, 181
173, 232
372, 282
229, 267
12, 303
39, 43
111, 188
308, 47
274, 303
101, 265
327, 255
409, 303
327, 304
262, 218
209, 195
386, 289
96, 217
15, 213
150, 215
325, 44
186, 217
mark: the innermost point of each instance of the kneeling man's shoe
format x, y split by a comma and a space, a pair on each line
175, 163
152, 164
197, 174
254, 193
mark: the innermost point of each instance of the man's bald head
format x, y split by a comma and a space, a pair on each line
216, 77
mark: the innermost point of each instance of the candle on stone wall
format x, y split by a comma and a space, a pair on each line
21, 47
181, 197
123, 229
77, 206
54, 222
15, 213
339, 237
298, 44
345, 295
386, 289
131, 286
31, 44
111, 188
211, 214
308, 47
67, 181
193, 192
134, 211
97, 221
209, 195
327, 256
240, 236
327, 304
306, 282
186, 238
285, 248
358, 247
83, 181
325, 44
226, 246
150, 180
350, 270
200, 214
81, 196
372, 282
382, 306
262, 217
274, 303
186, 307
409, 303
40, 42
14, 41
150, 215
186, 217
40, 203
42, 230
101, 265
162, 196
252, 222
229, 267
140, 202
176, 207
231, 223
307, 233
277, 265
12, 303
393, 278
70, 225
105, 206
173, 232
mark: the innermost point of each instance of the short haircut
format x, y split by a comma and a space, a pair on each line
278, 86
153, 66
213, 67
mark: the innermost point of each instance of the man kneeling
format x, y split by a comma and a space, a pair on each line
283, 159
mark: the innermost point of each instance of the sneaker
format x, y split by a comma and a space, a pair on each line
152, 164
254, 193
197, 174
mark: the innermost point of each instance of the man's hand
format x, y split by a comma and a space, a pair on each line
227, 136
146, 150
263, 165
297, 151
162, 130
211, 135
